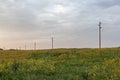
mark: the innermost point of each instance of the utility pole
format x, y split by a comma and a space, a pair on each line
19, 48
100, 35
25, 46
35, 46
52, 43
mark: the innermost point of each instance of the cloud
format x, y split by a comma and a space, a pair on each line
68, 19
107, 3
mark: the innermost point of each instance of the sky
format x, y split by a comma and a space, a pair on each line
72, 23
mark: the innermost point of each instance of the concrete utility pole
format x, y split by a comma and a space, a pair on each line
25, 46
35, 46
100, 35
19, 48
52, 43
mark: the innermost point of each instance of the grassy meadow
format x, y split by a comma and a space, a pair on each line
60, 64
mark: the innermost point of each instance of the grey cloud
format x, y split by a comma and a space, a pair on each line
34, 19
106, 3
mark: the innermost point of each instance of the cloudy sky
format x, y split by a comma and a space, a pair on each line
72, 23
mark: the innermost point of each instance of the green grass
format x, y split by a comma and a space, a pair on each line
61, 64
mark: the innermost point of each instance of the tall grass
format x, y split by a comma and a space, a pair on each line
61, 64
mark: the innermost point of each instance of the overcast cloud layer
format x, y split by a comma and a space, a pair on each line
72, 23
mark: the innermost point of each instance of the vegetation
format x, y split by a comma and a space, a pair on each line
1, 49
60, 64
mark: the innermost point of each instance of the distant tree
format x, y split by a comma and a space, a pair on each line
1, 49
12, 49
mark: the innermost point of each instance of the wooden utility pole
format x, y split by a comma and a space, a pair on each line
100, 35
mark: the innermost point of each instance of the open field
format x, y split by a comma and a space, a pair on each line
60, 64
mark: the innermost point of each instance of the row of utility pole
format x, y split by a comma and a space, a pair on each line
52, 40
35, 44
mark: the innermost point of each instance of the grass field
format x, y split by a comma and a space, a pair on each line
60, 64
